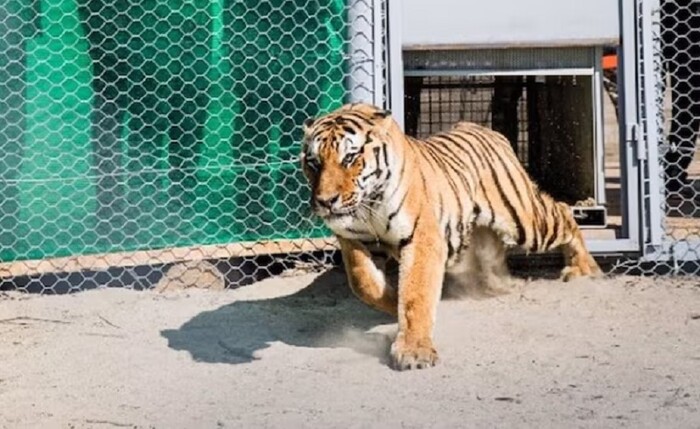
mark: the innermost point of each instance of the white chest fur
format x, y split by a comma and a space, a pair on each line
380, 223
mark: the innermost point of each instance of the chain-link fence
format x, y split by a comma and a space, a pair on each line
668, 85
148, 142
154, 143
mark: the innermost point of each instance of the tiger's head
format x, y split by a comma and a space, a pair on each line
345, 157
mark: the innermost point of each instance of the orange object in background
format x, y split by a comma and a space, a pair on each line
609, 62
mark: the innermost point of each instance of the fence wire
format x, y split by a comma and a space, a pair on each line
145, 142
669, 90
679, 121
154, 143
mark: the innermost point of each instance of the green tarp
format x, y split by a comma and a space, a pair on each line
128, 124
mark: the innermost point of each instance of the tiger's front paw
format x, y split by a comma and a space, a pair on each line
415, 355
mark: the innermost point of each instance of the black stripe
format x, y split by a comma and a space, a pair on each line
365, 177
460, 234
470, 152
535, 235
429, 160
440, 161
511, 210
348, 115
408, 240
546, 220
348, 123
401, 177
462, 146
495, 158
542, 214
458, 164
460, 169
448, 237
451, 184
468, 138
376, 161
447, 161
349, 130
403, 167
323, 124
393, 214
513, 215
555, 227
422, 179
539, 207
550, 234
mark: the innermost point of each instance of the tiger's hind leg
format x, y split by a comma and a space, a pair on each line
578, 260
482, 270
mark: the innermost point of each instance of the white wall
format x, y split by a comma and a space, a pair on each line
508, 22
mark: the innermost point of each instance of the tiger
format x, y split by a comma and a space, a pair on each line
453, 202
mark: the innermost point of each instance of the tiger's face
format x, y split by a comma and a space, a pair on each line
344, 159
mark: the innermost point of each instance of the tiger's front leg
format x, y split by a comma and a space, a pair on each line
366, 280
421, 274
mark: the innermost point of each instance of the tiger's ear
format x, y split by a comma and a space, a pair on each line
384, 120
381, 114
308, 122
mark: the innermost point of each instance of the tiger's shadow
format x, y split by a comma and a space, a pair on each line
322, 315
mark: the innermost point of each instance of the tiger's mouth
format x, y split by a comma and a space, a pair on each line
339, 222
338, 214
335, 214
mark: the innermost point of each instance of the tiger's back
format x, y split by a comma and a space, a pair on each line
485, 185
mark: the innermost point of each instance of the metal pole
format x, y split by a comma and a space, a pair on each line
360, 80
651, 67
395, 62
629, 130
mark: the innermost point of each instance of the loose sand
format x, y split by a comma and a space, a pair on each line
300, 352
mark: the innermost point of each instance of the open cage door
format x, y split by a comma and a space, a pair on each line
549, 99
538, 114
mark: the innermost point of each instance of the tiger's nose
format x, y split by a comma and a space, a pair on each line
327, 202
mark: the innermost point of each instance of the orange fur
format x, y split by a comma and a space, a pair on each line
451, 203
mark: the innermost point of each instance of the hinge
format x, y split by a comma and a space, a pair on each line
633, 135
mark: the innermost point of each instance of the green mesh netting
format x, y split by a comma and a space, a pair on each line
128, 124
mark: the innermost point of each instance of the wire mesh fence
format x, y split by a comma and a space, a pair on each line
141, 139
668, 54
679, 27
154, 143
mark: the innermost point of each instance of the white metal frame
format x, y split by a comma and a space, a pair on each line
395, 61
649, 49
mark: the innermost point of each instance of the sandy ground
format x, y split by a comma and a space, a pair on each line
300, 352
